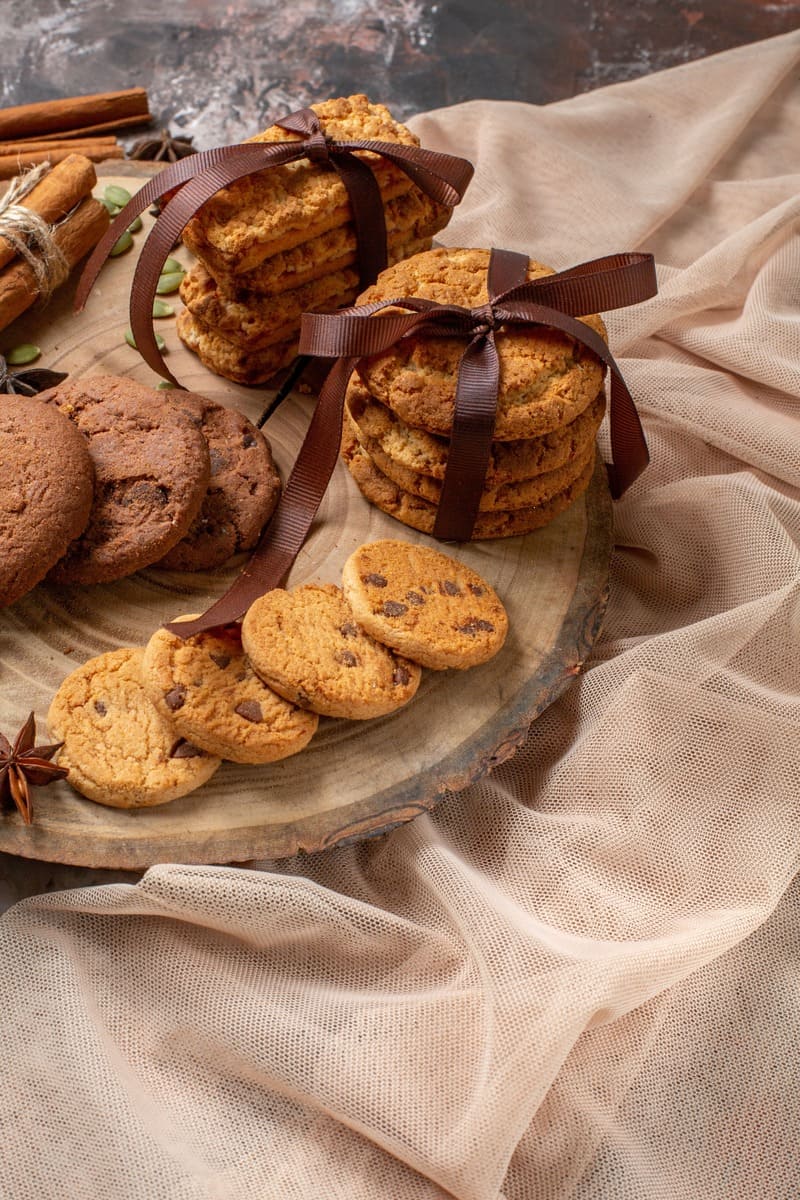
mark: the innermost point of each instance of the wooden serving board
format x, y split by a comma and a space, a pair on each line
355, 779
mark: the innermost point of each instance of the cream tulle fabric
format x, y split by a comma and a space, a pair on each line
579, 979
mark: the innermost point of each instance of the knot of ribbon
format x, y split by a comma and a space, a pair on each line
361, 331
198, 177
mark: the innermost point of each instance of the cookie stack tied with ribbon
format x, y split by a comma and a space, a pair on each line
400, 407
274, 245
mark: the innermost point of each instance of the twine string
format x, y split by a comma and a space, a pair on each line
30, 236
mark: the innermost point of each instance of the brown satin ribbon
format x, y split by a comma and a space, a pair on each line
354, 333
200, 176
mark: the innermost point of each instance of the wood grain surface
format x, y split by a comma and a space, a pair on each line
355, 779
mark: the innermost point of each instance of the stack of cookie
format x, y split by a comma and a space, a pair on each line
282, 242
144, 726
102, 476
400, 408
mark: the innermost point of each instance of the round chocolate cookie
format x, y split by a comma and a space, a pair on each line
421, 514
546, 377
242, 492
119, 751
151, 469
206, 689
426, 605
307, 645
46, 489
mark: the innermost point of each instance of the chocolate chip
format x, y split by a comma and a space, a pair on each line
184, 749
393, 608
217, 459
415, 598
100, 708
448, 588
347, 658
176, 698
250, 710
222, 660
248, 440
375, 580
400, 675
476, 589
349, 629
471, 628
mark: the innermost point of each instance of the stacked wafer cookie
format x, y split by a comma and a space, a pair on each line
282, 242
400, 404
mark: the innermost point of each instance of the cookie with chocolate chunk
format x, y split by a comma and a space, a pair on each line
426, 605
119, 751
206, 689
46, 491
307, 645
151, 468
242, 492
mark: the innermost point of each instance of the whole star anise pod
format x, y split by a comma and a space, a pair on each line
163, 148
27, 382
24, 765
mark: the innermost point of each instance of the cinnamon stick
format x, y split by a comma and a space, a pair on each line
58, 193
72, 112
75, 237
36, 145
13, 164
91, 130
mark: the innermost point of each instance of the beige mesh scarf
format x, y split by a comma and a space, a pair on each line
580, 978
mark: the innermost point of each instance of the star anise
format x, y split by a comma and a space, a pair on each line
24, 765
163, 148
28, 381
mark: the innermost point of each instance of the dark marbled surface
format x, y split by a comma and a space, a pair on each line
220, 72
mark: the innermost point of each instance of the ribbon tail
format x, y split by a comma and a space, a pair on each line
470, 440
284, 536
629, 453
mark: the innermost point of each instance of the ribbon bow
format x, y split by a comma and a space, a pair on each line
441, 176
358, 332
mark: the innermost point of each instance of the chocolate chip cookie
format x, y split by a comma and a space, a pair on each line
46, 491
151, 469
424, 604
118, 749
242, 492
207, 691
307, 645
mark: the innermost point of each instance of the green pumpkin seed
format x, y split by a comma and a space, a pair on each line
122, 244
116, 195
171, 265
162, 309
162, 345
112, 209
165, 385
170, 282
135, 225
22, 354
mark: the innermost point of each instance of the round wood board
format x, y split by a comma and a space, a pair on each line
356, 778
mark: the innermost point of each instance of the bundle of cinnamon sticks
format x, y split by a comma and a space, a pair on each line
63, 200
52, 129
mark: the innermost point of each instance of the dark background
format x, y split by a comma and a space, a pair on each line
222, 71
